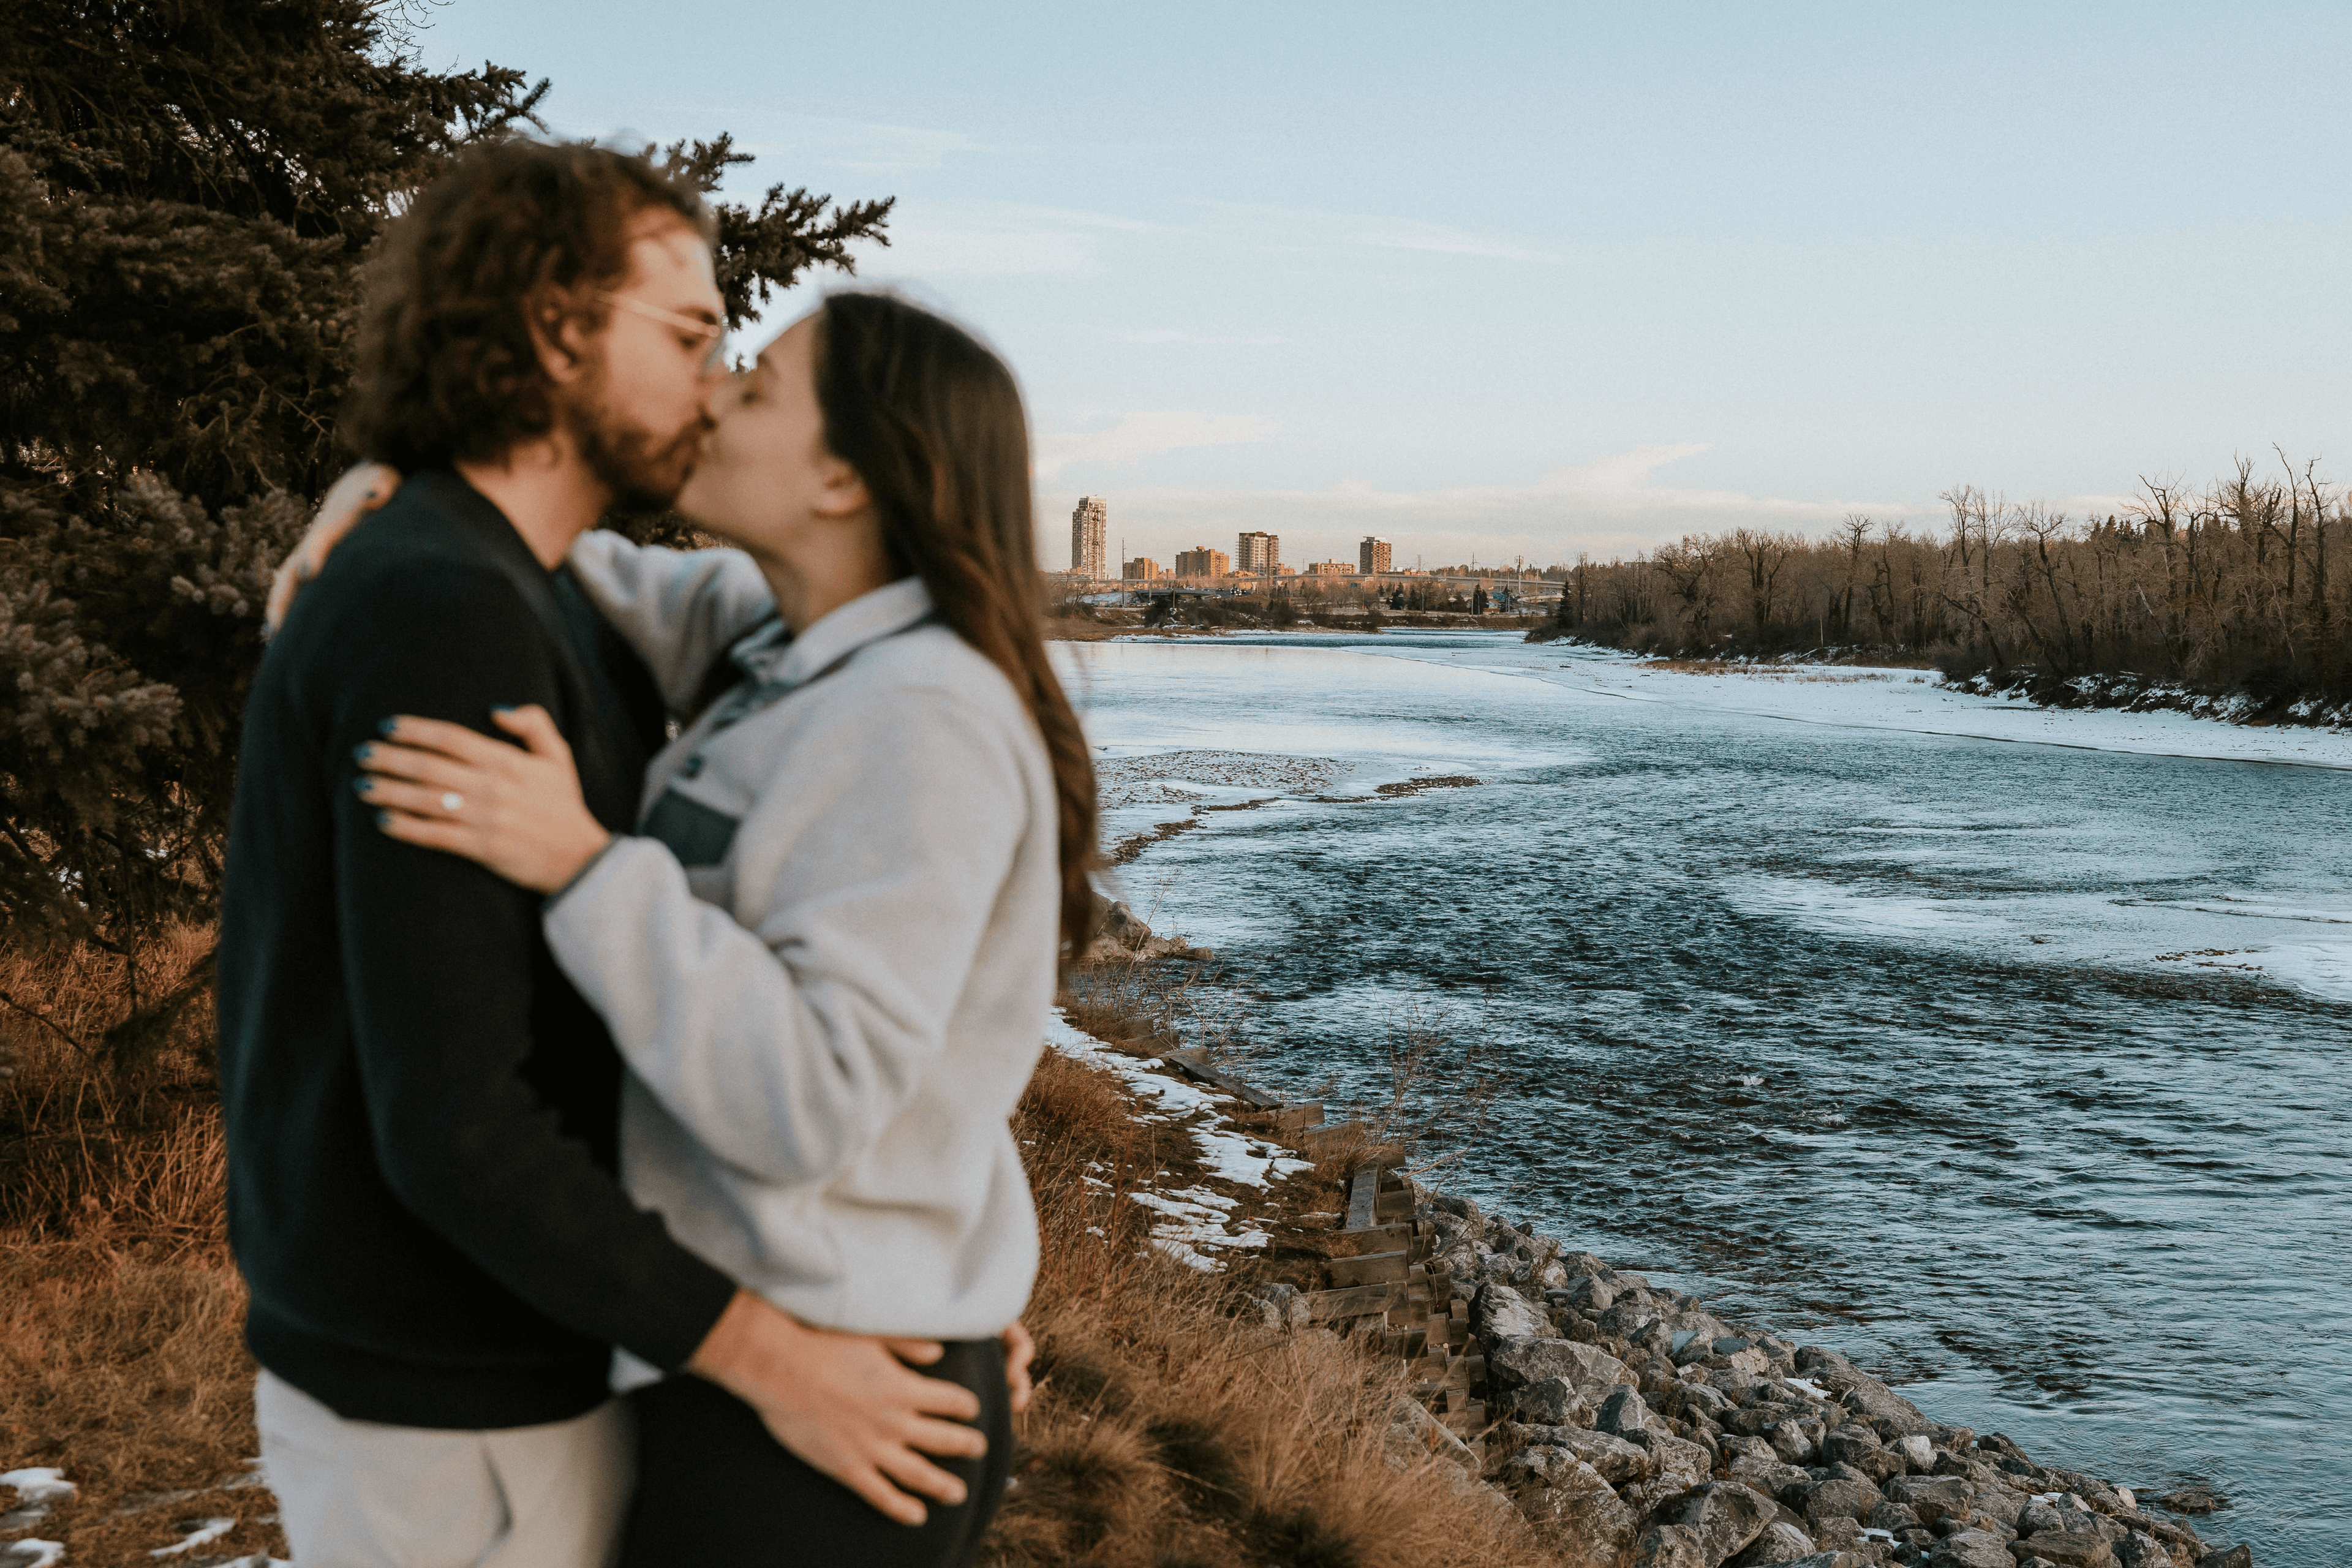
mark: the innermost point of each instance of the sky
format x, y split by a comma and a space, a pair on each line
1504, 282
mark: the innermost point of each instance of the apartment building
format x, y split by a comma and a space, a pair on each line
1091, 538
1202, 562
1260, 555
1371, 556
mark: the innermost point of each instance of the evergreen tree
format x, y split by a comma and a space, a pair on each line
187, 190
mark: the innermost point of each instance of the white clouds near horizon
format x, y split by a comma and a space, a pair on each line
1138, 436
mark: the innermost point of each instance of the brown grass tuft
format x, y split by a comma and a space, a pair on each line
1171, 1429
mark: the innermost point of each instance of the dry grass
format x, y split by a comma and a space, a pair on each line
121, 1361
1171, 1432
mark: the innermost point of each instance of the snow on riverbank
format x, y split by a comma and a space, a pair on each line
1196, 1222
1866, 698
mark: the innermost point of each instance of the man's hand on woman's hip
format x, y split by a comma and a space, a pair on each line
849, 1405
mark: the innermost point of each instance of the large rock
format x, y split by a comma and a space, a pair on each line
1769, 1477
1550, 1403
1688, 1400
1838, 1497
1780, 1543
1726, 1514
1844, 1445
2042, 1518
2228, 1557
1539, 1464
1283, 1305
1501, 1314
1516, 1362
1862, 1393
1618, 1461
1580, 1513
1933, 1498
1676, 1461
1672, 1546
2067, 1548
1789, 1440
2141, 1550
1971, 1548
1413, 1432
1623, 1412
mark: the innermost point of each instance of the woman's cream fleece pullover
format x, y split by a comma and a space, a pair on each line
829, 953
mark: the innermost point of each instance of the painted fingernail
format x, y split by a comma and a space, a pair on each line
361, 787
361, 752
502, 707
388, 727
383, 819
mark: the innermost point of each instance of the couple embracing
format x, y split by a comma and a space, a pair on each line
631, 957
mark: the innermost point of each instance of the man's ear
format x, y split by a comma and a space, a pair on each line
559, 335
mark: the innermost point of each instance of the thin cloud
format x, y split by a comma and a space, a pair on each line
921, 248
1408, 235
1138, 436
1170, 335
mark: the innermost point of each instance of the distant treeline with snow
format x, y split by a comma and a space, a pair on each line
2239, 586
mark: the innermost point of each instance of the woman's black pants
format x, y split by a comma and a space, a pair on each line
715, 1490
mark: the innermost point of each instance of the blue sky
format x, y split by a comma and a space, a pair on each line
1522, 281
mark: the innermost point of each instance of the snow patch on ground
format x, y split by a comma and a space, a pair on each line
203, 1535
1193, 1222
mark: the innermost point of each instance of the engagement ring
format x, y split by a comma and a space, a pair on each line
451, 800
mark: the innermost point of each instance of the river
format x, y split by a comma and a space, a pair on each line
2012, 1070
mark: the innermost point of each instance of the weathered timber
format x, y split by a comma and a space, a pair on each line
1196, 1064
1357, 1301
1375, 1238
1363, 1196
1372, 1269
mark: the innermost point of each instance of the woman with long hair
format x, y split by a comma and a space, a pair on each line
828, 952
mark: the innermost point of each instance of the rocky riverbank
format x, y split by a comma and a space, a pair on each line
1628, 1423
1646, 1429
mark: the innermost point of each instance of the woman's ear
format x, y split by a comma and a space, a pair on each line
840, 491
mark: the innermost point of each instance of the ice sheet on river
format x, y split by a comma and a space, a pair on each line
1886, 699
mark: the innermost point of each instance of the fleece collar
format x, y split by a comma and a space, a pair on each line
779, 661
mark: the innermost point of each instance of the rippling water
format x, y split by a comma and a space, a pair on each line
1933, 1050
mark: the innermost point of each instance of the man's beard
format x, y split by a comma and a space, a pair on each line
644, 470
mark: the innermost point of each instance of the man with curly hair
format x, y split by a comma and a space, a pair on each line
422, 1110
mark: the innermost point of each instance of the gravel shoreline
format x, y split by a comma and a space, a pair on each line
1644, 1428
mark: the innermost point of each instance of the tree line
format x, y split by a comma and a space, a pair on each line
2241, 586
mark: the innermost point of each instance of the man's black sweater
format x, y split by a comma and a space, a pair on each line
422, 1112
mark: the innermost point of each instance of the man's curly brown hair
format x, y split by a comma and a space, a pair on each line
513, 232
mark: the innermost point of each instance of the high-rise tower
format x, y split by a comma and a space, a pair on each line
1371, 556
1090, 538
1259, 555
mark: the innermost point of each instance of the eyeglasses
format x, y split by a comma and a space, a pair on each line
710, 335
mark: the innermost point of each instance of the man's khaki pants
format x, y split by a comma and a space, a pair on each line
359, 1494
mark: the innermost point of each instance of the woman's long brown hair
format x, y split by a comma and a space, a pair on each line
932, 422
